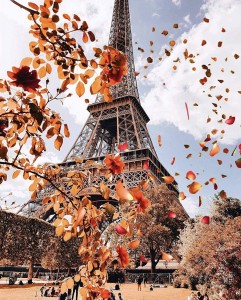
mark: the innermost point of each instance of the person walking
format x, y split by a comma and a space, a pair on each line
120, 297
145, 280
139, 281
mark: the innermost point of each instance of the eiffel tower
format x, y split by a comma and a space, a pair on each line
112, 124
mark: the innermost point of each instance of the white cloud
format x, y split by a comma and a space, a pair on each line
176, 2
187, 19
169, 89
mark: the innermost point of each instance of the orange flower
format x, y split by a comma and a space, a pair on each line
114, 64
114, 163
22, 77
143, 202
123, 256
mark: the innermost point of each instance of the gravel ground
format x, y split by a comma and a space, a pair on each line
128, 291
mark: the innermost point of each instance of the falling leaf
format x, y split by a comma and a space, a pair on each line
146, 165
166, 256
199, 201
220, 44
238, 163
172, 43
215, 150
223, 195
182, 196
165, 32
194, 187
123, 147
149, 60
230, 120
236, 56
173, 161
191, 175
205, 220
204, 42
168, 179
187, 110
122, 193
175, 26
203, 80
206, 20
220, 161
171, 215
159, 140
134, 244
120, 230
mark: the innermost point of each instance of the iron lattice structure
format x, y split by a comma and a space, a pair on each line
110, 124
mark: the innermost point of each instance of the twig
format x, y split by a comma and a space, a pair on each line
31, 11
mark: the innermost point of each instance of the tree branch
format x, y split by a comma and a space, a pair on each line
31, 11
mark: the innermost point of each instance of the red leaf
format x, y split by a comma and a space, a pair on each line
171, 215
123, 147
173, 160
187, 110
230, 120
238, 163
120, 230
205, 220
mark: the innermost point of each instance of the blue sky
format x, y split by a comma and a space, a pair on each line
164, 92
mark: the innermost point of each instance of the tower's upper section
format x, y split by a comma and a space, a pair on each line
120, 38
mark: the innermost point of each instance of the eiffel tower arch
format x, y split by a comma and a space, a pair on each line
110, 125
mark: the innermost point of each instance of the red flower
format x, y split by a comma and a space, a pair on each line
22, 77
114, 64
143, 202
114, 163
123, 256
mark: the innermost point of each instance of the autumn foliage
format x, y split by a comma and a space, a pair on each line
210, 252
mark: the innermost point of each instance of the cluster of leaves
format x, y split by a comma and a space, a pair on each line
20, 235
211, 253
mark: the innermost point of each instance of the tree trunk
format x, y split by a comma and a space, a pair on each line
153, 263
30, 273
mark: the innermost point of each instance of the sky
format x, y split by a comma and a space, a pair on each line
163, 90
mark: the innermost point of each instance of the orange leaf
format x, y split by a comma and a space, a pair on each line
134, 244
66, 130
194, 187
182, 196
81, 214
168, 179
33, 5
26, 61
215, 150
191, 175
16, 173
80, 89
58, 142
122, 193
166, 256
85, 37
96, 85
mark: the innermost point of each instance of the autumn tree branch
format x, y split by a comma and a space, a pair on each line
31, 11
